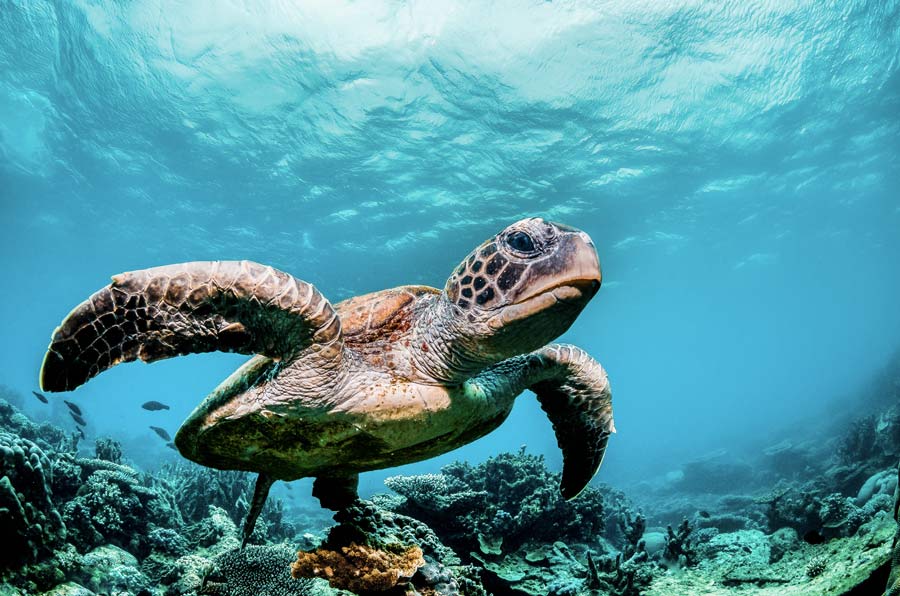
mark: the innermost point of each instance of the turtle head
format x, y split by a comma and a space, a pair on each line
523, 288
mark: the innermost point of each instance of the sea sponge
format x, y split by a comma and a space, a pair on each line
359, 567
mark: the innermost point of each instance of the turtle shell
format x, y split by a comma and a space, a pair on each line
381, 314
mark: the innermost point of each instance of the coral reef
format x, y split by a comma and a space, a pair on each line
48, 437
386, 543
359, 567
499, 505
112, 506
79, 524
893, 585
813, 511
741, 563
194, 488
110, 570
679, 545
83, 520
29, 520
507, 517
108, 449
256, 570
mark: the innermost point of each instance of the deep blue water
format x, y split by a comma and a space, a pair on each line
737, 165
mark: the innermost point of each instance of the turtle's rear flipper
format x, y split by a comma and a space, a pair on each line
205, 306
574, 391
260, 494
336, 492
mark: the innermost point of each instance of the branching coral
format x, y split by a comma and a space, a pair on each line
626, 573
612, 575
194, 488
112, 506
679, 545
358, 567
499, 504
439, 492
108, 449
215, 530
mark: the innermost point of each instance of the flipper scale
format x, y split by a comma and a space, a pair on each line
205, 306
574, 392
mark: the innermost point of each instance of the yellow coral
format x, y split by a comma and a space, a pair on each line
359, 567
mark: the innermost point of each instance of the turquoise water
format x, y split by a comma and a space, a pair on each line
737, 167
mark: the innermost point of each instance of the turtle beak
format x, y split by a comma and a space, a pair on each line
577, 290
576, 277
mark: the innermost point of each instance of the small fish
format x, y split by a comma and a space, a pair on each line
81, 432
78, 419
153, 406
41, 397
73, 407
704, 514
171, 445
162, 433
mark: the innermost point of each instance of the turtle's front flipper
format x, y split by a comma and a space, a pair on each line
206, 306
260, 494
573, 389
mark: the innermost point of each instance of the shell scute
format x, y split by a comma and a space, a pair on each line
384, 313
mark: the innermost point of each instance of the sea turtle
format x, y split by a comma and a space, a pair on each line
376, 381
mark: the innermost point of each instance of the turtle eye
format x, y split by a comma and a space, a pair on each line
520, 242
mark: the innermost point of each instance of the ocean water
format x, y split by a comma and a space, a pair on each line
736, 164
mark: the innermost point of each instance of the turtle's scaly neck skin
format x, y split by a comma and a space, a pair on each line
443, 349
